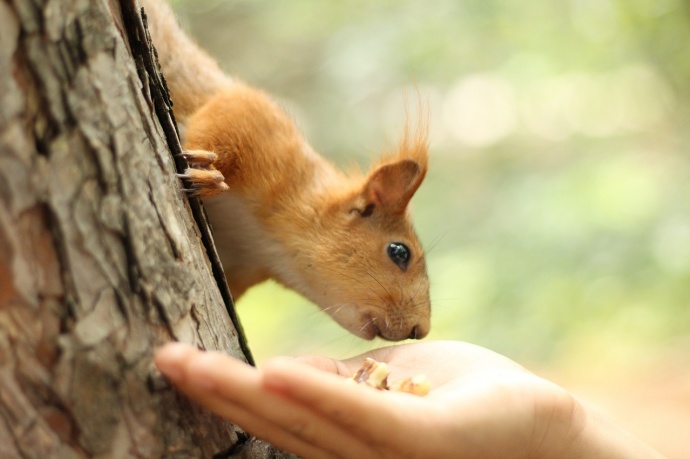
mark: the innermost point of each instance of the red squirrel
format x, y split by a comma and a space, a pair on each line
279, 210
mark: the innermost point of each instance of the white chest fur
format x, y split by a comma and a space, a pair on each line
242, 243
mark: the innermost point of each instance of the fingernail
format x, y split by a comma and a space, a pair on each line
169, 359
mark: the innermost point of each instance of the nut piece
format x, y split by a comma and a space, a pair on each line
375, 374
417, 385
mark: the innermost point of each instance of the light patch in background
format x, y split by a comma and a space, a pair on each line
630, 99
480, 110
596, 20
671, 246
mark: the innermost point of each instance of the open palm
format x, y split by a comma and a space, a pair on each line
481, 404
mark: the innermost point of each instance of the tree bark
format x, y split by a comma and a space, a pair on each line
100, 256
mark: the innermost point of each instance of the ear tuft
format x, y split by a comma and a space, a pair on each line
414, 143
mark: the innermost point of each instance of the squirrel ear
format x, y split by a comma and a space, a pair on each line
391, 186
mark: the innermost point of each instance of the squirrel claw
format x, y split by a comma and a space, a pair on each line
199, 158
201, 177
204, 182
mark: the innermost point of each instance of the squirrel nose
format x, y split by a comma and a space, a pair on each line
417, 333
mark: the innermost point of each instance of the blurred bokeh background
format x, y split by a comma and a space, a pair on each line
556, 210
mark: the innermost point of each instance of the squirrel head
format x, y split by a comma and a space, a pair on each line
364, 264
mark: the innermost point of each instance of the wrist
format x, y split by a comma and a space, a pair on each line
559, 422
588, 434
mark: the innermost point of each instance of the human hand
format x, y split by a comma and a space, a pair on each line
481, 405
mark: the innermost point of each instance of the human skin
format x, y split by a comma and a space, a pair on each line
482, 405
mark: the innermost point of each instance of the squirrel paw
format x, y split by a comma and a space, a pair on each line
202, 178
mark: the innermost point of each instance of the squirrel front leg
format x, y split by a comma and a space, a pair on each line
202, 178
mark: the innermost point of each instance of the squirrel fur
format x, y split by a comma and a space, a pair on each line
279, 210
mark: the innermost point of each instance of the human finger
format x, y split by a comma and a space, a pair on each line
232, 389
382, 418
258, 426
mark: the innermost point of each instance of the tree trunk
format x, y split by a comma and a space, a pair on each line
100, 257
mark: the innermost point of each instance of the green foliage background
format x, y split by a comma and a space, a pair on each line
555, 212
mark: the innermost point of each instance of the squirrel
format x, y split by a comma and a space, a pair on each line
280, 210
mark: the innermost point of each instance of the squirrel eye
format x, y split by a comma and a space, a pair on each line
399, 254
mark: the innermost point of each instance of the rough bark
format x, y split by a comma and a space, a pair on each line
100, 258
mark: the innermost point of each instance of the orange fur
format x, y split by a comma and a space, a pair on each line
288, 213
